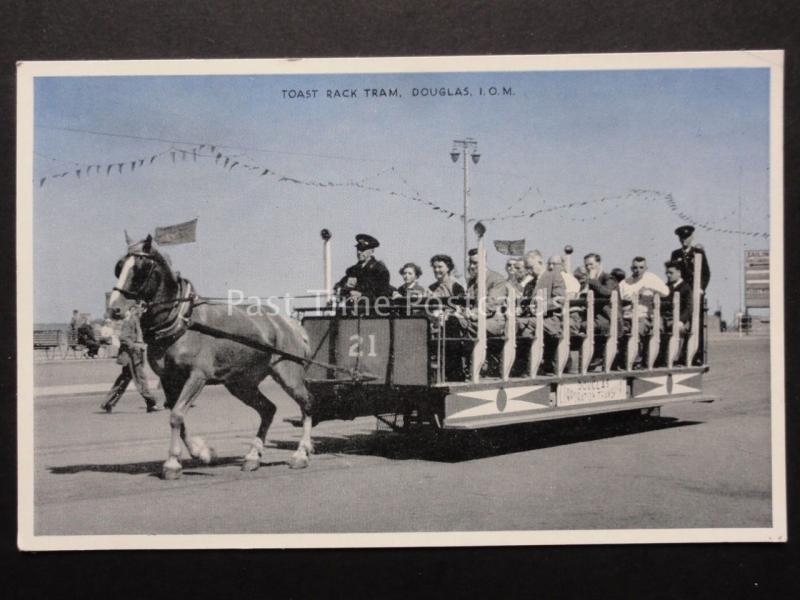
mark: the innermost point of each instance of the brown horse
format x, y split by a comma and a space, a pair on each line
187, 360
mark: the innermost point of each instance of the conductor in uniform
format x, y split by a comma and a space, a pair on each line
369, 277
684, 256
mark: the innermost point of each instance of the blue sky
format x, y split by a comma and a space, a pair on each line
701, 135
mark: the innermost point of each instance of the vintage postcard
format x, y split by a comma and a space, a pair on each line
507, 300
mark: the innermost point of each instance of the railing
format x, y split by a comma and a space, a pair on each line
589, 304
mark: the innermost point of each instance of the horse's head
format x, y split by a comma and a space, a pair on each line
142, 274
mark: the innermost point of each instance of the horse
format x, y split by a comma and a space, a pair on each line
186, 360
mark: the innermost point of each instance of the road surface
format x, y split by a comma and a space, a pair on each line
699, 465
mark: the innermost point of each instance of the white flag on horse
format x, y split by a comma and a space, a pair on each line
182, 233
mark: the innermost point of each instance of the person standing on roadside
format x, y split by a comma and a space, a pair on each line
131, 358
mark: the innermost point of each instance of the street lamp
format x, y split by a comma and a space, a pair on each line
466, 147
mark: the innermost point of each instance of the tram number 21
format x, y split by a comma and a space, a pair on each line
357, 345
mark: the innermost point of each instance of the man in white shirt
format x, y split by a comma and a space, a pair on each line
644, 284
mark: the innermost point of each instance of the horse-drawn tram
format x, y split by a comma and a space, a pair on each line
402, 363
431, 362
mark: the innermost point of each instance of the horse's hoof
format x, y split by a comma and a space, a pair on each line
298, 463
251, 465
208, 456
170, 474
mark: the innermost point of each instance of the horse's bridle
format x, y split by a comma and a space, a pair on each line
136, 295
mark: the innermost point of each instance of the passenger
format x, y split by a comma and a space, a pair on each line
534, 267
410, 289
676, 283
444, 288
577, 316
644, 284
552, 284
526, 312
368, 278
524, 275
511, 270
496, 292
445, 285
602, 285
521, 276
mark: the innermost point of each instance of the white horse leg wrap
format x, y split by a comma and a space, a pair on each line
256, 450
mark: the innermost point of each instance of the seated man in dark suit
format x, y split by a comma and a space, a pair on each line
675, 283
368, 278
603, 285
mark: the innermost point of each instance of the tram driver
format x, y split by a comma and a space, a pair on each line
368, 278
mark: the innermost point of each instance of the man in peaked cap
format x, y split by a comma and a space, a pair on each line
369, 277
684, 256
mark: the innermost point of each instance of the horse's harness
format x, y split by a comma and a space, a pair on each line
179, 321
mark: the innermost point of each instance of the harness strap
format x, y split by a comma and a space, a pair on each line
175, 326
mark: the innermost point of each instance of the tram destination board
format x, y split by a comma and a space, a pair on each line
588, 392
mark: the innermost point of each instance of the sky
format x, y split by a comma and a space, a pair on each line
701, 135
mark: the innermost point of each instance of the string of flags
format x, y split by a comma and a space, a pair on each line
637, 194
229, 162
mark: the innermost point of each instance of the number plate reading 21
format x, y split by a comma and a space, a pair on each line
587, 392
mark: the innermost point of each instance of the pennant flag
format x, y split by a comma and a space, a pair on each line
108, 169
214, 149
234, 164
78, 173
183, 154
173, 155
141, 162
227, 160
182, 233
265, 171
194, 154
41, 181
510, 247
133, 165
119, 166
152, 158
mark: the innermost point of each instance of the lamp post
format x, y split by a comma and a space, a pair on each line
465, 148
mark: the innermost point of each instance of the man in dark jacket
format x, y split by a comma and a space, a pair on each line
369, 277
676, 283
685, 256
131, 358
603, 285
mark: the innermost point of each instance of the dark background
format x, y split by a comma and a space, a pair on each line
149, 29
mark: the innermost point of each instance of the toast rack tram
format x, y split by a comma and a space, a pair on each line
400, 360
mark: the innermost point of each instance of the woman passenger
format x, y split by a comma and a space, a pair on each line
410, 288
445, 285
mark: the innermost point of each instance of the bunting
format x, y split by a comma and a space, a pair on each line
515, 210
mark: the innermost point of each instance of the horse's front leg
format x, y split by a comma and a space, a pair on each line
197, 447
193, 386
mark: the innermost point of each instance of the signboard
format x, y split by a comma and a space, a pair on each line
588, 392
756, 278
